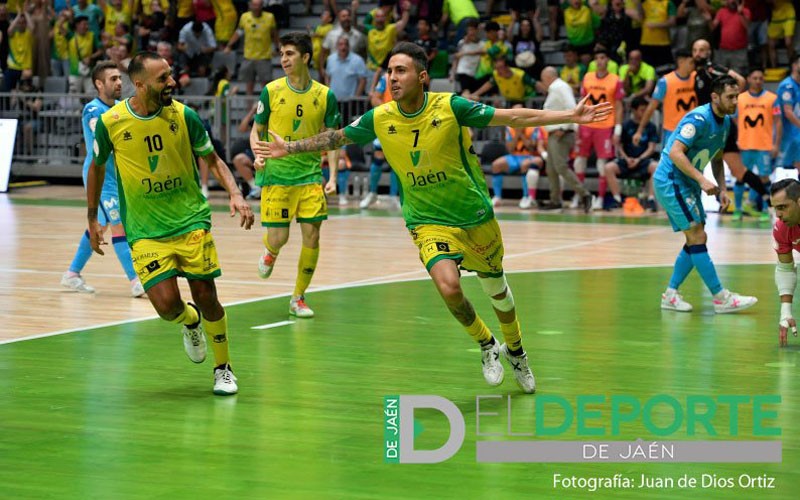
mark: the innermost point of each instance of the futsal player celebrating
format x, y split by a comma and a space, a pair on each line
445, 200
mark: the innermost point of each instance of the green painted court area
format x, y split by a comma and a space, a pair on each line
120, 412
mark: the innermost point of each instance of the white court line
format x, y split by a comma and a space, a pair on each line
272, 325
584, 243
388, 279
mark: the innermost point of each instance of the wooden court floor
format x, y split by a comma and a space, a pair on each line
111, 408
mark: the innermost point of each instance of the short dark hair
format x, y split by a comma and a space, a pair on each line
415, 52
791, 186
753, 69
719, 83
300, 40
492, 26
472, 23
601, 50
683, 54
99, 69
136, 66
638, 101
795, 59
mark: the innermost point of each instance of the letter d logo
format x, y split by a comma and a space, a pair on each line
408, 455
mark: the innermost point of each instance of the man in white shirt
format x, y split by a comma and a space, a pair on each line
357, 39
560, 141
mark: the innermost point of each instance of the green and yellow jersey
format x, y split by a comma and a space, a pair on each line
431, 152
379, 44
80, 47
159, 187
20, 50
257, 35
295, 114
517, 87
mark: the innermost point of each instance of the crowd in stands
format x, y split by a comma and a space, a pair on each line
496, 54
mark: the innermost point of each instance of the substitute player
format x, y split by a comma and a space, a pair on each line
296, 107
678, 182
166, 217
446, 203
106, 79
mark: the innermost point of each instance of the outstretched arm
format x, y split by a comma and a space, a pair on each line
523, 117
326, 141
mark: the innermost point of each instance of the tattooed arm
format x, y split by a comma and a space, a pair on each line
326, 141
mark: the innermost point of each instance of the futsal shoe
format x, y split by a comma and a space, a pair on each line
137, 290
733, 302
368, 200
497, 201
671, 300
298, 308
492, 368
225, 381
76, 283
525, 203
265, 264
194, 340
522, 373
737, 215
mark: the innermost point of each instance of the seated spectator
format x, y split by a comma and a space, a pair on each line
513, 84
243, 157
196, 44
358, 42
638, 77
573, 70
581, 23
634, 162
467, 59
526, 151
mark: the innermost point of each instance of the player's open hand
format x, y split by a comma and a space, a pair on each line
596, 113
238, 204
274, 149
96, 236
787, 323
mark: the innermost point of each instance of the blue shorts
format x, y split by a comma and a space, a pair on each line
515, 162
759, 162
682, 203
790, 152
108, 212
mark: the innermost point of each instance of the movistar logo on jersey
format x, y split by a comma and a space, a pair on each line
682, 105
600, 98
296, 125
752, 123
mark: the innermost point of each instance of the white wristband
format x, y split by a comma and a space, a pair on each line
786, 310
618, 130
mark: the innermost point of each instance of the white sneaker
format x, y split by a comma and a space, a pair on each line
342, 200
298, 308
137, 290
75, 283
368, 200
576, 201
673, 301
597, 203
265, 264
225, 381
194, 340
522, 373
204, 190
733, 302
496, 202
525, 203
492, 368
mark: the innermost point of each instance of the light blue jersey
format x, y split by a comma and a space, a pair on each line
109, 197
704, 135
789, 93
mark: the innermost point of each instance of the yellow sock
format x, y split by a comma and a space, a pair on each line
273, 251
217, 333
512, 336
305, 269
479, 331
189, 315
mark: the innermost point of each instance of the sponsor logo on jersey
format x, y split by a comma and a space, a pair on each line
126, 136
392, 130
173, 126
688, 131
